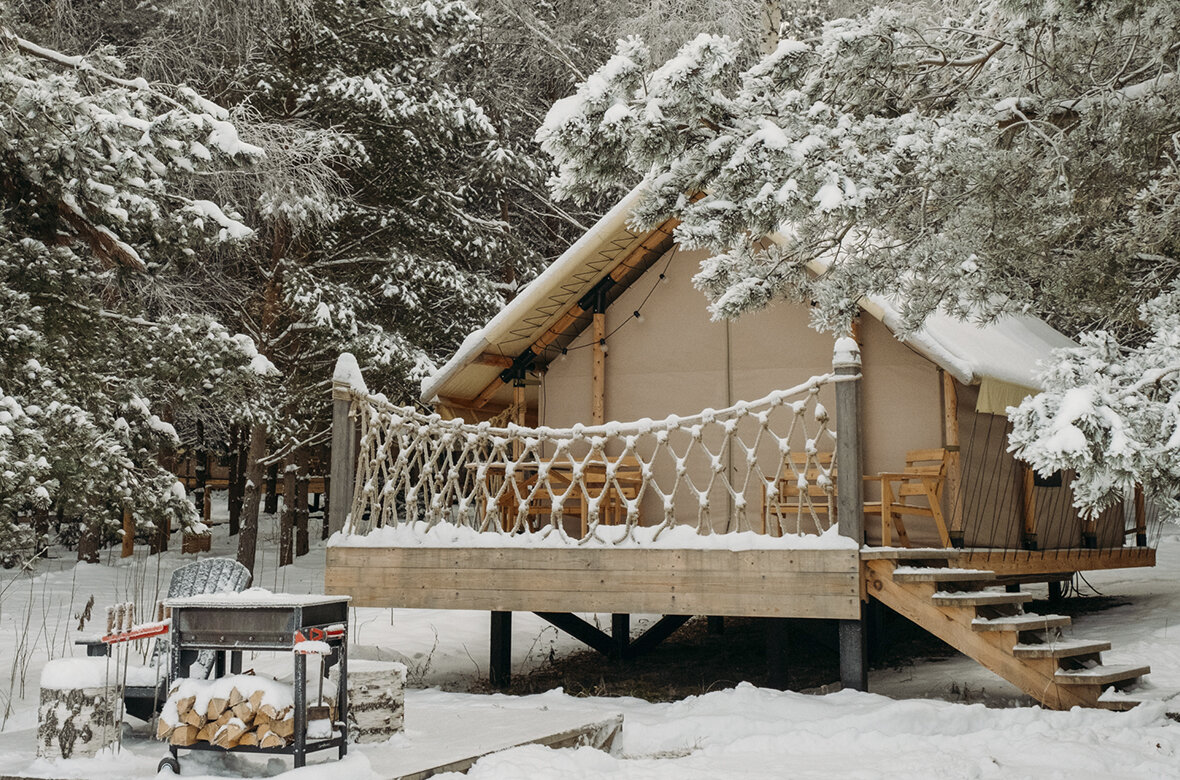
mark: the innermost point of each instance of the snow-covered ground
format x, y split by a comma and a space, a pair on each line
916, 723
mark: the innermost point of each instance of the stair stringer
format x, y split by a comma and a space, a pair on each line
992, 649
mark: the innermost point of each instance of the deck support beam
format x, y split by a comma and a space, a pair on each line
620, 634
500, 656
619, 645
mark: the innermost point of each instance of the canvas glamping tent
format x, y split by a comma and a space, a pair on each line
614, 330
604, 395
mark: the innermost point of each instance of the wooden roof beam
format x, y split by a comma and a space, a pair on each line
658, 242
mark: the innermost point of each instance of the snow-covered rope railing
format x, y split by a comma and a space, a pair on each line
714, 469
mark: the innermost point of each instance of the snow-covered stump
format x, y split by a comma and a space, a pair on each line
77, 716
376, 700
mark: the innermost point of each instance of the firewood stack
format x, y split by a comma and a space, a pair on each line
228, 721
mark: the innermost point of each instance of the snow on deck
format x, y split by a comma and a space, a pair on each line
443, 535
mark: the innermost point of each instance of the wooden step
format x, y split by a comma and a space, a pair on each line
931, 574
1020, 623
1067, 648
978, 598
1139, 693
1101, 675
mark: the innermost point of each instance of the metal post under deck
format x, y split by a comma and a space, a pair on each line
500, 655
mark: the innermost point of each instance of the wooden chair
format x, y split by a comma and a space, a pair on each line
917, 491
612, 509
790, 501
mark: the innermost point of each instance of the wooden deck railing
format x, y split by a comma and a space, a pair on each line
765, 464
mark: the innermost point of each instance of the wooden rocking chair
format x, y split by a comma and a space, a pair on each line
917, 491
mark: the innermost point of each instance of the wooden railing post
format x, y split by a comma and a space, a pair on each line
345, 380
854, 668
849, 488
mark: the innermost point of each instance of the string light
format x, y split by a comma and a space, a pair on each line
637, 315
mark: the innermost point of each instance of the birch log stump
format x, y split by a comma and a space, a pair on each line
76, 717
376, 699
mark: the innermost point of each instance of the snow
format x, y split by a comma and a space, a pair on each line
537, 292
1011, 349
253, 597
313, 647
683, 537
348, 373
919, 721
845, 355
230, 228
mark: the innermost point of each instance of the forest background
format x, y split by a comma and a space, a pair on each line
204, 202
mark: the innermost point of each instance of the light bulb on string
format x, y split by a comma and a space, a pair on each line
638, 316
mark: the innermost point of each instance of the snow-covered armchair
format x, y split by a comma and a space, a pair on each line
146, 686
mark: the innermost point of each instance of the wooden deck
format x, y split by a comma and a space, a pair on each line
751, 583
1035, 563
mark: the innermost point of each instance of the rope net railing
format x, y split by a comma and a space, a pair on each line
766, 466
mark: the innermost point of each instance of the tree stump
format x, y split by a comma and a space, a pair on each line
376, 699
77, 714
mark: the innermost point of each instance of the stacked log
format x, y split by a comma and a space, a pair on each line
228, 712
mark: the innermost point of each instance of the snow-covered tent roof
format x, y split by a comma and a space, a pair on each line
1001, 356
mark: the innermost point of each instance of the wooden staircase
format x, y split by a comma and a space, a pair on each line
992, 627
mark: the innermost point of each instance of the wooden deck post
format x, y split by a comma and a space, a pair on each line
1028, 507
344, 445
1140, 518
598, 374
500, 655
854, 669
954, 463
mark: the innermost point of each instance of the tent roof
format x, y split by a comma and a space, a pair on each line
546, 316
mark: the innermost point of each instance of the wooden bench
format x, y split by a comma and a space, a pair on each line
917, 491
793, 500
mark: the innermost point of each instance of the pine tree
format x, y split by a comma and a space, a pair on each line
102, 213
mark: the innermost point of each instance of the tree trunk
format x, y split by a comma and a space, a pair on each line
327, 502
287, 521
88, 538
237, 477
40, 530
201, 468
302, 545
234, 499
272, 489
248, 537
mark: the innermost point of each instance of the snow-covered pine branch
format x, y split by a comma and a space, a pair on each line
1021, 157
